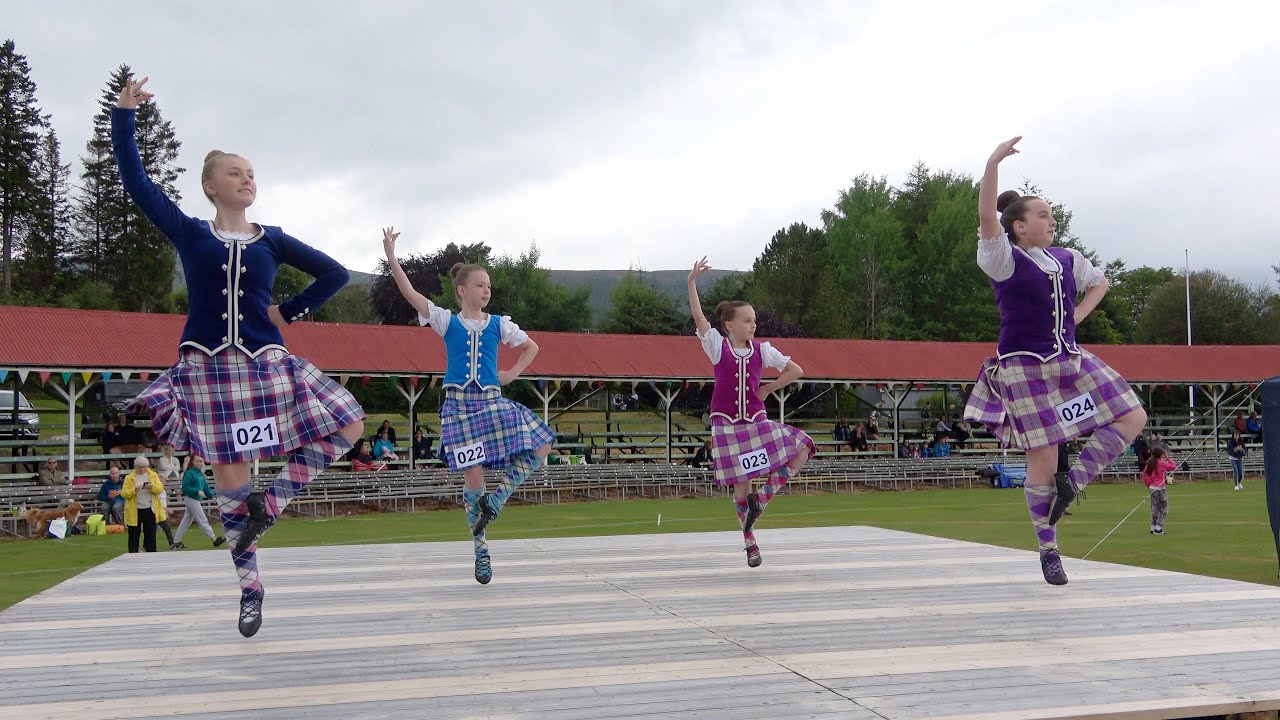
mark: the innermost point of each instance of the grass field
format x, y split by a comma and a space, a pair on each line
1212, 530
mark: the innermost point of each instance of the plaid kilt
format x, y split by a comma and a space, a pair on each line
505, 427
729, 440
194, 403
1016, 398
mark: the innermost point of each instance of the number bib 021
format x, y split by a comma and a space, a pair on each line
756, 460
252, 434
1077, 409
468, 455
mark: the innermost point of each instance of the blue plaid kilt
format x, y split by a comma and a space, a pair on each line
194, 403
472, 415
729, 440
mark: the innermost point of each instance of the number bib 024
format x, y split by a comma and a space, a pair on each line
757, 460
252, 434
1077, 409
468, 455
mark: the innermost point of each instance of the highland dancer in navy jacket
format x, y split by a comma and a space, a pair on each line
1043, 390
236, 393
479, 428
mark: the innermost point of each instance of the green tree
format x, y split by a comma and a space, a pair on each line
864, 240
118, 243
1131, 292
739, 286
43, 268
351, 304
21, 127
1224, 311
638, 308
289, 282
785, 276
90, 295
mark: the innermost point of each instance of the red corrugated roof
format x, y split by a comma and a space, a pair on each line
77, 340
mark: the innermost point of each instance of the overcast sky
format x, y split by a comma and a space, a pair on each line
620, 134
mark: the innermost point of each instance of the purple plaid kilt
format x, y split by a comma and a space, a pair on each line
505, 427
194, 403
1015, 398
730, 439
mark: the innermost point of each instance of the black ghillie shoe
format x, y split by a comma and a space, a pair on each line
1061, 501
753, 556
256, 525
484, 569
250, 614
487, 515
1051, 566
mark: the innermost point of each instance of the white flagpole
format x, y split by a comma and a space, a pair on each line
1191, 408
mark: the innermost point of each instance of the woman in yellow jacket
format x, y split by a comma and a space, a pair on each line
142, 507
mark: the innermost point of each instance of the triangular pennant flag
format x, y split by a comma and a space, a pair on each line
3, 374
395, 379
107, 375
343, 379
44, 376
145, 376
573, 384
364, 379
125, 375
88, 377
413, 380
66, 378
22, 375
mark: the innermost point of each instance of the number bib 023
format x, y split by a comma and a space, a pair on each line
756, 460
252, 434
468, 455
1077, 409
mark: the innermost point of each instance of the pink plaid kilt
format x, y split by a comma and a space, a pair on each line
194, 403
1016, 398
731, 440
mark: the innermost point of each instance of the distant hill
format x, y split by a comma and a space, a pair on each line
601, 282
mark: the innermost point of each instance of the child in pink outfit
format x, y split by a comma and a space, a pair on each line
1153, 474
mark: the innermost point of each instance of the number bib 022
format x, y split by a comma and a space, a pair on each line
468, 455
252, 434
1077, 409
756, 460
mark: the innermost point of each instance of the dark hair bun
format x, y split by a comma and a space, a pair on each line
1007, 198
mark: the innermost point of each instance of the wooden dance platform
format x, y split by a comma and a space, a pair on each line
840, 622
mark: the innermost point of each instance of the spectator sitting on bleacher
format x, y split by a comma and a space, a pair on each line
382, 447
942, 430
961, 433
841, 432
858, 439
701, 458
421, 445
109, 496
110, 439
1141, 449
48, 474
873, 430
391, 432
1240, 425
1254, 426
904, 450
941, 448
361, 460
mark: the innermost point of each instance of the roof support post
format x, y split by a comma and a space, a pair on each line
411, 393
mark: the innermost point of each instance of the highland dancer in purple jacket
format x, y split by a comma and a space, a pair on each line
745, 445
1043, 390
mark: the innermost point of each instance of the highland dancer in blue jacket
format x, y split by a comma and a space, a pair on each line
236, 393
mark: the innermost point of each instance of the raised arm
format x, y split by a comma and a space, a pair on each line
415, 298
988, 216
159, 209
695, 306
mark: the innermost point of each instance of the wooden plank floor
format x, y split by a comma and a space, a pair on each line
841, 622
